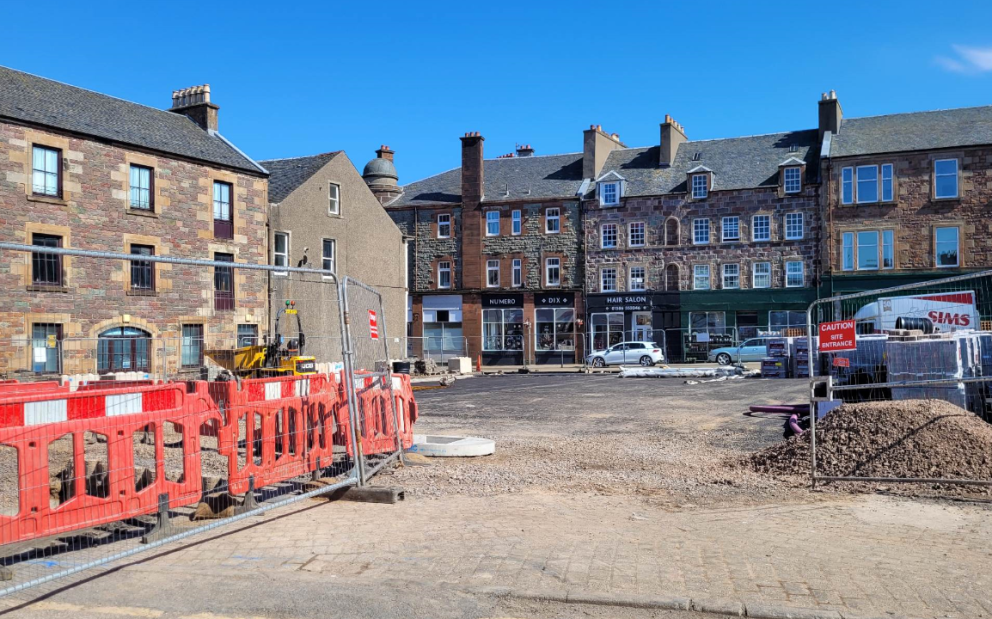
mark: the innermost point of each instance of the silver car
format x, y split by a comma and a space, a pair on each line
646, 354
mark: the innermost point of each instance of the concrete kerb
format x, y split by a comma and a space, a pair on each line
709, 606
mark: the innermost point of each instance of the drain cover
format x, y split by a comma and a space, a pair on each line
452, 446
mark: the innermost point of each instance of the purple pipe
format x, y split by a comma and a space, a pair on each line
781, 408
794, 424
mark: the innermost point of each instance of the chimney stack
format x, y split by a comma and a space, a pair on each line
195, 103
525, 151
473, 176
672, 136
831, 113
384, 152
596, 147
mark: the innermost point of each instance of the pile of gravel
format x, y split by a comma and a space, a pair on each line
906, 438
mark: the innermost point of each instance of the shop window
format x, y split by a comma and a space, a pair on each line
780, 320
123, 349
443, 329
555, 329
607, 330
503, 329
708, 322
747, 325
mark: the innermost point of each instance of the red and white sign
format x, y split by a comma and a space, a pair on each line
837, 336
842, 362
373, 325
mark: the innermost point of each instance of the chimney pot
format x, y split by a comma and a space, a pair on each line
194, 102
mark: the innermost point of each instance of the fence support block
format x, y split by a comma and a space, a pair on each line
163, 526
249, 504
367, 494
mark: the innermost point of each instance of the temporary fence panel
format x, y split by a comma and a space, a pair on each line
922, 341
146, 398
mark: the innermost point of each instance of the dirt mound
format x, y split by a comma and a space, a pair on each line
907, 438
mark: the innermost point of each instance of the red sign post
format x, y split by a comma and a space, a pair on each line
373, 325
837, 336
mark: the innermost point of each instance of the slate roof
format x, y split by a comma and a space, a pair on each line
31, 99
525, 178
970, 126
285, 175
737, 163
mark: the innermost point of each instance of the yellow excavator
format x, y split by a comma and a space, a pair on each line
271, 358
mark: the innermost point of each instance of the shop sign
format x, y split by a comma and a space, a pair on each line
554, 299
503, 300
628, 303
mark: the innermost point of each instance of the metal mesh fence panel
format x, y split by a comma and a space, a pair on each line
929, 342
145, 399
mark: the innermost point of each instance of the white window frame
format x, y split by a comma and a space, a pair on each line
858, 252
490, 220
552, 215
616, 236
956, 175
333, 198
754, 274
802, 273
890, 243
549, 264
333, 258
277, 254
643, 279
643, 234
887, 185
796, 181
609, 189
723, 276
697, 274
695, 231
723, 228
802, 227
848, 243
517, 273
516, 222
936, 245
847, 180
492, 266
857, 184
444, 266
47, 171
700, 190
602, 279
768, 228
447, 223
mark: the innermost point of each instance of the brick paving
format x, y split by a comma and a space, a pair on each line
868, 555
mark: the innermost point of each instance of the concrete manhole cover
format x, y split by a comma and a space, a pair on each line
452, 446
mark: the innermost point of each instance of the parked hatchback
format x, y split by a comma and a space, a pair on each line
627, 353
754, 349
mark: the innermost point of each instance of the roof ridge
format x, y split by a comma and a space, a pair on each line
501, 158
330, 152
943, 109
745, 137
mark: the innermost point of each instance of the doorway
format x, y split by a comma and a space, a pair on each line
642, 329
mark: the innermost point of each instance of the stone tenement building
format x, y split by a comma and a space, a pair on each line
496, 263
909, 197
84, 170
323, 215
713, 236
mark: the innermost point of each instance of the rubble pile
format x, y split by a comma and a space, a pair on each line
907, 438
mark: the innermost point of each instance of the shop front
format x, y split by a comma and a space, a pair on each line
554, 327
615, 318
442, 332
503, 326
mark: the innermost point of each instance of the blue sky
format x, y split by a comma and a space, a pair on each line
310, 78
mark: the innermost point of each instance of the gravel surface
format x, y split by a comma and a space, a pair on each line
910, 438
657, 439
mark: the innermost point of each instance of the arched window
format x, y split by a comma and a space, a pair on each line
672, 231
123, 349
672, 277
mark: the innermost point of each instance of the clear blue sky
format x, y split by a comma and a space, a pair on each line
294, 78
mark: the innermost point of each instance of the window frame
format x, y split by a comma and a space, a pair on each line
224, 300
334, 201
51, 261
723, 276
548, 281
845, 265
857, 250
151, 187
50, 328
802, 273
45, 171
616, 235
492, 266
492, 220
957, 180
223, 228
754, 228
709, 233
696, 275
643, 278
643, 234
798, 180
516, 273
199, 349
891, 244
847, 182
324, 258
142, 264
516, 222
548, 218
886, 185
448, 223
602, 279
444, 266
754, 274
614, 187
802, 226
936, 246
240, 337
699, 191
723, 229
276, 253
857, 184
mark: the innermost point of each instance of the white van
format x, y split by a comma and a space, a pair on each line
948, 311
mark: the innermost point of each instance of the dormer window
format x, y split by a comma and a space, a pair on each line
609, 194
700, 186
792, 179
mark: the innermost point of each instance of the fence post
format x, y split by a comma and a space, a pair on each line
349, 378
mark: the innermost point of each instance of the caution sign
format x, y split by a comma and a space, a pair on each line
842, 362
52, 342
373, 325
837, 336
